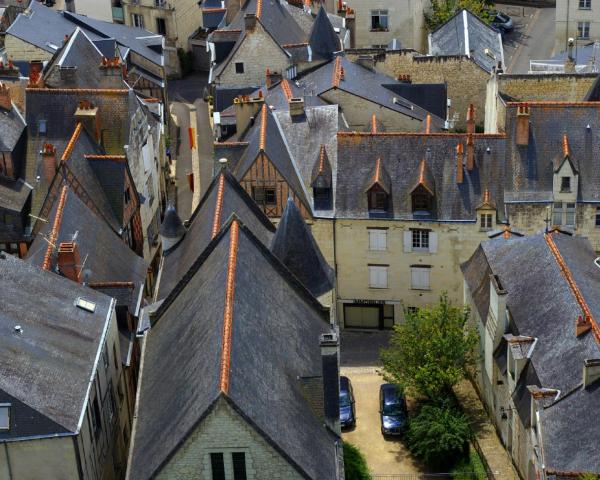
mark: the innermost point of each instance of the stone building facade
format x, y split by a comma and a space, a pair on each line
577, 20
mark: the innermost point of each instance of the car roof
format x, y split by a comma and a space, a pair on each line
344, 382
391, 392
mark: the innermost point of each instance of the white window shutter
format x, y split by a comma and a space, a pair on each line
372, 277
407, 241
433, 242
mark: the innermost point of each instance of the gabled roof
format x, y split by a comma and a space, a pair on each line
379, 177
565, 157
424, 178
109, 262
13, 195
12, 126
218, 335
466, 34
223, 198
266, 138
48, 366
295, 246
432, 97
321, 176
323, 40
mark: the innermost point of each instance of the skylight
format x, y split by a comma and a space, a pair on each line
85, 304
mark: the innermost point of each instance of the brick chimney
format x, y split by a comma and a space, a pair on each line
49, 162
272, 78
471, 119
582, 325
522, 125
331, 379
69, 262
459, 163
88, 115
246, 109
35, 74
5, 100
470, 152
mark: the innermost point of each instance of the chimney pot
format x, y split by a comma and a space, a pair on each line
49, 162
35, 73
69, 261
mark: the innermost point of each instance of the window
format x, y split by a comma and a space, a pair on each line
264, 196
565, 184
137, 20
161, 26
4, 416
378, 276
96, 420
379, 20
564, 214
239, 465
377, 238
421, 202
378, 199
486, 221
322, 198
239, 67
583, 30
420, 240
419, 277
585, 4
217, 466
597, 219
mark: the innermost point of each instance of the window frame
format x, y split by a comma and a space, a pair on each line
260, 194
375, 233
585, 4
421, 202
414, 269
420, 240
378, 200
137, 20
239, 474
161, 21
486, 221
565, 184
373, 268
564, 211
383, 20
583, 30
6, 407
239, 68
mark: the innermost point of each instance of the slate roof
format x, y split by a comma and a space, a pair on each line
12, 126
13, 195
172, 226
530, 169
530, 264
46, 28
362, 82
189, 363
210, 215
48, 366
295, 246
323, 40
107, 258
432, 97
401, 155
466, 34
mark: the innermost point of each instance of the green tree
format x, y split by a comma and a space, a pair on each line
443, 10
355, 464
588, 476
432, 351
439, 434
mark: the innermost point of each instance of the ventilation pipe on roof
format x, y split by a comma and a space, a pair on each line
591, 371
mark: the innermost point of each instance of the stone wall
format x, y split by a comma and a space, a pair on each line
17, 49
553, 87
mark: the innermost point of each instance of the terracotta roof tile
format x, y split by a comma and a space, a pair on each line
263, 128
55, 228
218, 207
69, 148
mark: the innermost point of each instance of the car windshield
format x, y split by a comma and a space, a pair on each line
502, 18
393, 410
344, 399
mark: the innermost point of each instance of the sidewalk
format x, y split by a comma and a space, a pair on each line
494, 454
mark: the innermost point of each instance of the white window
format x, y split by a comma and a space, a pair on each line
564, 214
486, 221
137, 20
377, 238
4, 416
379, 20
420, 240
583, 30
585, 4
378, 276
419, 277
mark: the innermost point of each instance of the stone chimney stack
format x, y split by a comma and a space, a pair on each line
5, 100
471, 119
570, 62
296, 107
69, 261
272, 78
522, 125
49, 162
591, 371
35, 74
331, 379
88, 115
250, 21
459, 163
470, 152
246, 109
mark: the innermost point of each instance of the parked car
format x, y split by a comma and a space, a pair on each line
392, 409
347, 412
501, 21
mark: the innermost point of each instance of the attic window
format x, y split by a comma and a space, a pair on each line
421, 202
378, 200
4, 416
42, 127
565, 184
239, 67
85, 305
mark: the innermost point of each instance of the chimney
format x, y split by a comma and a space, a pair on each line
522, 125
470, 152
250, 21
5, 100
88, 115
272, 78
296, 107
246, 109
331, 379
471, 119
459, 163
582, 325
367, 61
49, 162
69, 262
233, 7
591, 371
35, 74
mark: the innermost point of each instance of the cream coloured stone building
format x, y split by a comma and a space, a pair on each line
576, 19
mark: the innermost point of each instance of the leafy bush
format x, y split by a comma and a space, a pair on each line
439, 434
186, 60
355, 464
443, 10
469, 468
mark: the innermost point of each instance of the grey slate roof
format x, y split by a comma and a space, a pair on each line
323, 40
530, 169
13, 195
48, 366
12, 126
429, 96
526, 265
466, 34
295, 246
235, 200
172, 226
401, 156
107, 257
181, 378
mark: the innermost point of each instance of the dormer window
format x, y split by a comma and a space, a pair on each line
322, 198
378, 190
486, 220
565, 184
421, 202
321, 181
378, 200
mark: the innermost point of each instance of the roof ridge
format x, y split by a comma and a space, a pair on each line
378, 170
337, 72
219, 207
572, 284
565, 145
69, 148
322, 154
228, 308
263, 128
286, 89
258, 8
119, 91
55, 227
374, 124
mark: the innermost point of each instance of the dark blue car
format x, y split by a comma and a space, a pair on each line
347, 413
392, 408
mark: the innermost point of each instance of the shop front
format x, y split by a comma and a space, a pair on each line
375, 314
